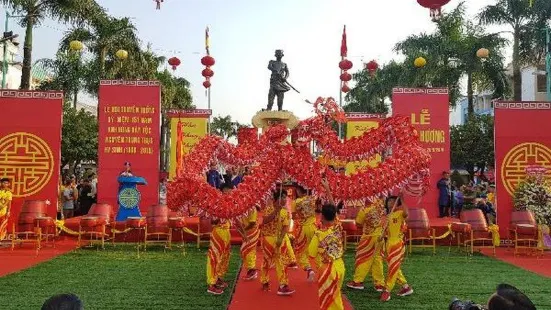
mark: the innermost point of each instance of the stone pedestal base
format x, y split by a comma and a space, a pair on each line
265, 119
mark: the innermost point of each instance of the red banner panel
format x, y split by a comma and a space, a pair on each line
30, 146
129, 131
428, 110
522, 133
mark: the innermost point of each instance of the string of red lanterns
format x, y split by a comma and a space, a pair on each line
345, 64
207, 61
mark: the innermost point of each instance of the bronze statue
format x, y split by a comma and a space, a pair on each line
278, 81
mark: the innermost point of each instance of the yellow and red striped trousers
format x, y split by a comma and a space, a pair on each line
248, 248
369, 258
329, 285
218, 256
395, 250
3, 227
303, 236
274, 257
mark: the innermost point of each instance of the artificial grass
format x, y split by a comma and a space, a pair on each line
116, 278
437, 279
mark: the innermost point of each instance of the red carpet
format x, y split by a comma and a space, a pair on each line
25, 257
524, 260
248, 295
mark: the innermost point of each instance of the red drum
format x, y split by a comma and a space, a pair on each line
102, 210
31, 209
89, 221
461, 227
476, 218
176, 222
44, 222
523, 217
158, 211
418, 219
349, 225
135, 222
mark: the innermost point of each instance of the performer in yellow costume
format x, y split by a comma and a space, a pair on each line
304, 216
395, 248
370, 248
250, 232
274, 230
218, 256
5, 205
327, 249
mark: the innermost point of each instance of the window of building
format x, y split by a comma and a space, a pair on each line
542, 81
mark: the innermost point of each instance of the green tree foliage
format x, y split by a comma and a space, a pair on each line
527, 24
472, 144
224, 126
35, 11
79, 140
450, 52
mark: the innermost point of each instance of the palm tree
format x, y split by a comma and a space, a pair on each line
452, 54
35, 11
526, 23
224, 127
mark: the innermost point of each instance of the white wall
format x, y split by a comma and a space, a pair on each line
528, 84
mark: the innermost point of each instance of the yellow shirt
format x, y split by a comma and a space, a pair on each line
326, 245
251, 218
5, 199
305, 208
396, 223
281, 220
371, 218
222, 225
491, 198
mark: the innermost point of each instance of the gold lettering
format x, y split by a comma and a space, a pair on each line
432, 136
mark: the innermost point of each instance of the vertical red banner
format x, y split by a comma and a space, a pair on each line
428, 110
522, 132
129, 131
30, 146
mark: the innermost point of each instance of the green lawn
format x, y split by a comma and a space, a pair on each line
117, 279
437, 279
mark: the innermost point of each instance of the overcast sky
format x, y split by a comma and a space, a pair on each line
245, 33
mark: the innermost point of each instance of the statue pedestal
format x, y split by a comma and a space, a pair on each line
266, 119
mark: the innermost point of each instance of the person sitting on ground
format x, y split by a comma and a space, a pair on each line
508, 297
63, 302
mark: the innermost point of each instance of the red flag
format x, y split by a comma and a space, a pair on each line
344, 48
179, 146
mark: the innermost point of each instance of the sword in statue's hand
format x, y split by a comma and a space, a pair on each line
293, 88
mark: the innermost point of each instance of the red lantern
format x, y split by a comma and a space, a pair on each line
207, 61
206, 84
345, 64
207, 72
372, 67
174, 62
346, 77
345, 88
435, 7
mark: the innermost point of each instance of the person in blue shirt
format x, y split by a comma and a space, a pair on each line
459, 200
444, 194
214, 178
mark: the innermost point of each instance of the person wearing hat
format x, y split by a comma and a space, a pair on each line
278, 81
